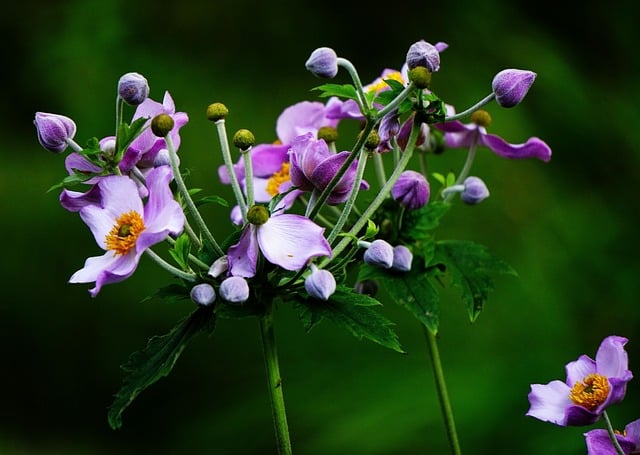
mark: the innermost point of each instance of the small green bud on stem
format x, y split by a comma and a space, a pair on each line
243, 139
217, 111
420, 76
328, 133
161, 125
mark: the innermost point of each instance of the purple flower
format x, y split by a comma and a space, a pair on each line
402, 258
475, 191
599, 443
590, 388
458, 135
125, 228
411, 190
234, 289
54, 131
323, 62
510, 86
378, 253
424, 54
320, 283
133, 88
313, 166
288, 241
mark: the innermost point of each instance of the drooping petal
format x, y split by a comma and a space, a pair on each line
243, 256
291, 240
73, 201
533, 148
162, 213
612, 360
106, 269
549, 402
76, 162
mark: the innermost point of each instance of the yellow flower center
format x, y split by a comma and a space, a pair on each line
124, 233
277, 179
380, 83
591, 392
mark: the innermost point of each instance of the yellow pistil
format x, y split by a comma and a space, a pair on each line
124, 233
277, 179
380, 83
591, 392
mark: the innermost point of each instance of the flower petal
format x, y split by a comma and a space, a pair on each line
162, 212
612, 360
243, 256
598, 443
302, 118
549, 402
533, 148
267, 159
291, 240
579, 369
105, 269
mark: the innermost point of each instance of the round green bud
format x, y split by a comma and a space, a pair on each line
328, 133
372, 141
161, 124
420, 76
217, 111
243, 139
257, 215
481, 118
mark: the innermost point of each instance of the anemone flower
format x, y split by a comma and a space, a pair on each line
599, 443
125, 227
286, 240
591, 387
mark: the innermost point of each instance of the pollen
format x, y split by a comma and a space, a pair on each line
277, 179
591, 392
124, 233
380, 83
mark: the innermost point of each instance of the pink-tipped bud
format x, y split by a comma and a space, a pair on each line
510, 86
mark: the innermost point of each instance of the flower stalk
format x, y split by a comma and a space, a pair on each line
612, 434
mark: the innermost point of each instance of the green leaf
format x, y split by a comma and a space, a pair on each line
418, 224
412, 290
341, 91
353, 312
172, 292
469, 267
209, 199
181, 250
70, 180
156, 360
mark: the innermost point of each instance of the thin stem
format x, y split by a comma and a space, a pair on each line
274, 380
192, 258
191, 206
397, 100
472, 109
168, 267
465, 169
73, 144
379, 167
363, 102
443, 396
226, 156
612, 434
248, 176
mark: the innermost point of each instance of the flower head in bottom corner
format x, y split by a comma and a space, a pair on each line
591, 387
125, 227
599, 443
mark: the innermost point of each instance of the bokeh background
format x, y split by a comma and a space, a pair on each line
569, 227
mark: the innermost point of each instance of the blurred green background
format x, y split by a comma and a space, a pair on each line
569, 227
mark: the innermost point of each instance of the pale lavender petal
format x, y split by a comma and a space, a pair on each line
75, 200
579, 369
612, 360
238, 169
162, 212
338, 109
243, 256
105, 269
260, 193
267, 159
598, 443
301, 118
533, 148
76, 162
99, 221
291, 240
633, 432
549, 402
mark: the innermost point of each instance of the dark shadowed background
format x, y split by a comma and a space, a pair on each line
569, 227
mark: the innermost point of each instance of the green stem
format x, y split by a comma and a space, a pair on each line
274, 380
466, 168
612, 434
472, 109
443, 396
362, 100
226, 156
168, 267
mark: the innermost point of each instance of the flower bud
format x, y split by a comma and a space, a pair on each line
54, 130
320, 283
243, 139
133, 88
411, 190
217, 111
323, 63
474, 191
203, 294
234, 289
510, 86
373, 140
161, 125
379, 252
219, 266
481, 118
423, 54
402, 258
257, 215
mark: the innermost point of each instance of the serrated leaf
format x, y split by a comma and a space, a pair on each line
412, 290
469, 267
418, 224
353, 312
155, 361
341, 91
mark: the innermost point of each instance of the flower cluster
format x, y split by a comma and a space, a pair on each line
591, 387
308, 229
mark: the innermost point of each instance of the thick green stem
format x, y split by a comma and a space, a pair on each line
612, 434
274, 381
443, 396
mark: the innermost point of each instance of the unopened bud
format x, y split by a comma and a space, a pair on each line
475, 191
510, 86
243, 139
411, 190
402, 258
420, 76
203, 294
133, 88
328, 133
323, 63
320, 283
424, 54
234, 289
257, 215
219, 266
161, 125
54, 130
379, 253
217, 111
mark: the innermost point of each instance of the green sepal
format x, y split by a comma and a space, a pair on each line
341, 91
181, 250
353, 312
412, 290
70, 181
469, 266
156, 360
